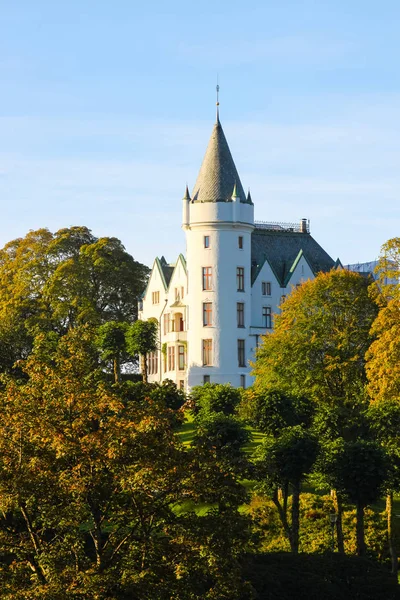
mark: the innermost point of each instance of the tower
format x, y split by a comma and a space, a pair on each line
218, 220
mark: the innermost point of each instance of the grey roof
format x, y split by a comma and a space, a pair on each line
282, 248
218, 175
167, 270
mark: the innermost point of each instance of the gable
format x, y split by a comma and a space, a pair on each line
282, 248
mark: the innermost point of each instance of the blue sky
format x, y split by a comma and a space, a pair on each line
106, 109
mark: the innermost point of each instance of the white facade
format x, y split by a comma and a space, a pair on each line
213, 307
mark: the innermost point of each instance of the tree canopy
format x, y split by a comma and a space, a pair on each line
320, 338
91, 480
52, 282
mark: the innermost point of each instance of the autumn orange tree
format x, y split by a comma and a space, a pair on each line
91, 483
318, 350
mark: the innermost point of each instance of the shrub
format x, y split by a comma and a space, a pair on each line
215, 398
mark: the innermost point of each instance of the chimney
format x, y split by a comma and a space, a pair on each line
304, 226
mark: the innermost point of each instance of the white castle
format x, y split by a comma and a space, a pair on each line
213, 306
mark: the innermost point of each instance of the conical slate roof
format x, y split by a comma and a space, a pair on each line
218, 175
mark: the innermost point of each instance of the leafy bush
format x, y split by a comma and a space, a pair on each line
274, 410
215, 398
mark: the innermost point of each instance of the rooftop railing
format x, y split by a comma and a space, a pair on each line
301, 227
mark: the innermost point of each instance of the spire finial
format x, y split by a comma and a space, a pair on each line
217, 89
187, 194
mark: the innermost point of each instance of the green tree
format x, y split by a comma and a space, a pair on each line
215, 398
224, 437
287, 454
111, 341
282, 464
142, 338
384, 416
320, 338
52, 282
271, 411
361, 471
318, 350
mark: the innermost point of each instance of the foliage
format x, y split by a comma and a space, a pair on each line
215, 398
388, 269
383, 356
282, 462
286, 459
272, 410
361, 469
384, 418
315, 528
165, 394
142, 338
317, 348
88, 485
225, 437
52, 282
111, 341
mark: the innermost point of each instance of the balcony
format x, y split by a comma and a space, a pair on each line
175, 336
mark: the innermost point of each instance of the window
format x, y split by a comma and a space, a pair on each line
267, 317
206, 379
207, 314
240, 279
152, 363
171, 358
177, 294
240, 242
166, 323
207, 352
283, 298
243, 381
155, 297
207, 278
266, 288
181, 358
206, 241
240, 314
241, 354
181, 384
182, 292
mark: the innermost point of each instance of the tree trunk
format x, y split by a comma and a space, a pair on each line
280, 498
144, 368
295, 518
360, 530
337, 503
117, 370
34, 564
390, 533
